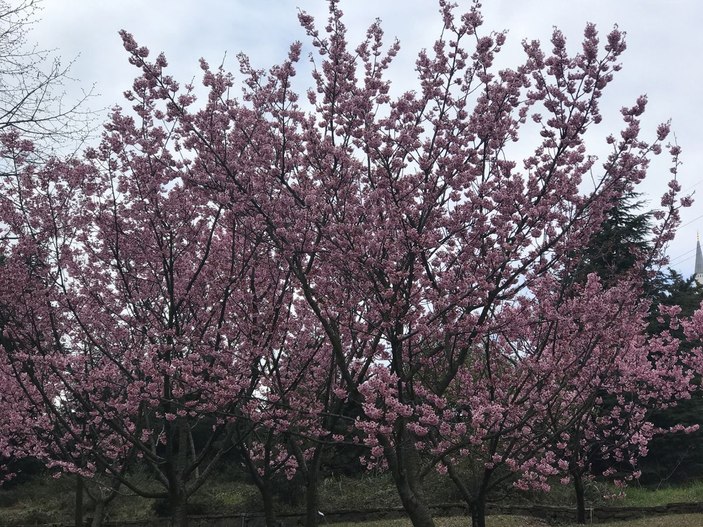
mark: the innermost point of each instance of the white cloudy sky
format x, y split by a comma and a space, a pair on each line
664, 58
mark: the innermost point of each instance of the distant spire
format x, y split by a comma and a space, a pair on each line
699, 261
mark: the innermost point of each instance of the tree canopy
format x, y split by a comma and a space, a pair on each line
359, 269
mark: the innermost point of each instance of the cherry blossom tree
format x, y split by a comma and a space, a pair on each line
590, 382
451, 237
409, 233
267, 263
138, 307
605, 428
295, 417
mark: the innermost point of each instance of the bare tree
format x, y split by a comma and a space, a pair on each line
33, 84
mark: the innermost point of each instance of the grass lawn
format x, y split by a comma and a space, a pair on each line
679, 520
643, 497
44, 500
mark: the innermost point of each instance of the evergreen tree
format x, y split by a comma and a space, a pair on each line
611, 252
670, 288
678, 457
623, 236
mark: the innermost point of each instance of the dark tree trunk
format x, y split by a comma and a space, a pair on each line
580, 497
312, 496
78, 518
264, 486
478, 505
177, 458
102, 495
475, 500
269, 511
262, 481
478, 513
178, 500
403, 461
414, 505
99, 513
179, 513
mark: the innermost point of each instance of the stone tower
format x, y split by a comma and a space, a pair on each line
699, 262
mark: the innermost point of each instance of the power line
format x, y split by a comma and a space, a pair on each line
682, 261
682, 255
689, 187
694, 219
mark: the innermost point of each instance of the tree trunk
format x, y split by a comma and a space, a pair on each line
403, 461
99, 513
180, 516
580, 497
478, 512
102, 494
475, 500
177, 459
312, 496
78, 518
178, 501
262, 482
269, 511
179, 512
416, 508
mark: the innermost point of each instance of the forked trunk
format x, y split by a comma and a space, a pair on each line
99, 514
101, 497
177, 458
263, 483
417, 510
475, 500
478, 507
403, 461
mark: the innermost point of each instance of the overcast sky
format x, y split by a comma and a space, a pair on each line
664, 58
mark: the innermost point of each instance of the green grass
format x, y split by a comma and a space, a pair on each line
679, 520
38, 501
42, 499
643, 497
456, 521
364, 492
634, 496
